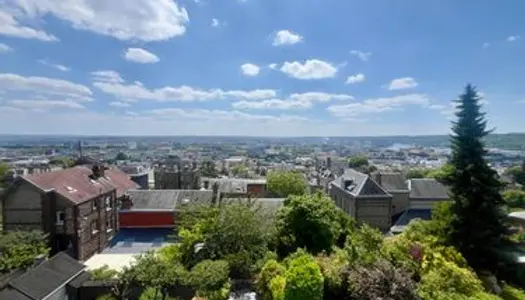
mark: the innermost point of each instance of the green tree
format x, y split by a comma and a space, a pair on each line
208, 169
18, 249
416, 173
153, 272
4, 168
514, 198
286, 183
236, 232
304, 279
443, 174
309, 221
65, 162
517, 173
210, 279
478, 227
121, 156
241, 171
357, 162
103, 273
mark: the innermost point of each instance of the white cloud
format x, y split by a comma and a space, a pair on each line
378, 105
107, 76
357, 78
273, 66
294, 101
56, 66
10, 26
145, 20
44, 86
183, 93
436, 106
364, 56
513, 38
216, 23
320, 97
5, 48
311, 69
272, 104
45, 104
286, 37
402, 83
250, 69
140, 56
119, 104
222, 115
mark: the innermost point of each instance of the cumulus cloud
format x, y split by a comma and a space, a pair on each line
293, 101
12, 83
378, 105
144, 20
357, 78
5, 48
216, 23
12, 27
250, 69
107, 76
140, 56
183, 93
402, 83
364, 56
286, 37
513, 38
309, 70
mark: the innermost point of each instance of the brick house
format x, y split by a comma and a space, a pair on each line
77, 207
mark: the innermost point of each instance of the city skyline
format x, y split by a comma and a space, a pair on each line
255, 68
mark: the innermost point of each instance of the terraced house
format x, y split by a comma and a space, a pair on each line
77, 207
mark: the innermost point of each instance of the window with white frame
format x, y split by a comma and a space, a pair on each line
109, 227
95, 204
60, 217
108, 203
94, 227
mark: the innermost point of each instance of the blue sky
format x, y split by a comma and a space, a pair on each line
256, 67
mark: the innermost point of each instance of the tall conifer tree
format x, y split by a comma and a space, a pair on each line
478, 227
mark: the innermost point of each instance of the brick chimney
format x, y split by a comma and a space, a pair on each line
98, 171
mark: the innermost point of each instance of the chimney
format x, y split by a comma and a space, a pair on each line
377, 177
98, 171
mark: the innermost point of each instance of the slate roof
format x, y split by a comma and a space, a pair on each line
427, 188
391, 181
233, 185
408, 216
39, 282
361, 184
166, 199
76, 185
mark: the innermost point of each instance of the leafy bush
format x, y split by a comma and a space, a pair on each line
448, 277
277, 286
103, 273
210, 279
381, 280
18, 249
512, 293
332, 268
270, 270
153, 294
106, 297
363, 245
310, 222
303, 279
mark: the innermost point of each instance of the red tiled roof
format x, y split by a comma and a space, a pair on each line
76, 185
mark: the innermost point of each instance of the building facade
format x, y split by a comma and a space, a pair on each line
76, 207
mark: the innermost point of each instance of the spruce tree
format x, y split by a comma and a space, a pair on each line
478, 226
